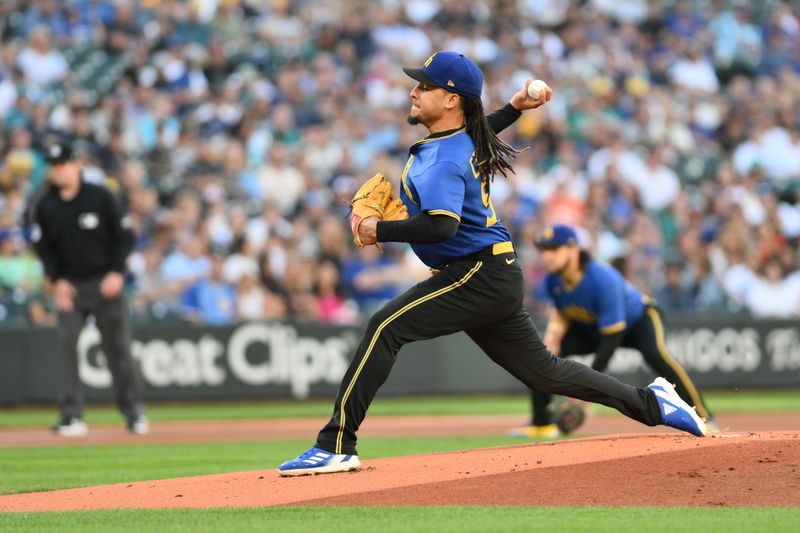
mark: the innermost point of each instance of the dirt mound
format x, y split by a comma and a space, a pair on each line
653, 469
753, 472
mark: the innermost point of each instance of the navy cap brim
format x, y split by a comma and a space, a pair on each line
541, 245
419, 75
56, 154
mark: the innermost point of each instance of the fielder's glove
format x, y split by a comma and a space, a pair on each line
375, 199
567, 414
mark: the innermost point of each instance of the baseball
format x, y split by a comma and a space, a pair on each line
536, 89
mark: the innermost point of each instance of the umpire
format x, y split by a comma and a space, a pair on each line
83, 242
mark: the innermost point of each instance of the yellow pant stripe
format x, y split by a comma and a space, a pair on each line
674, 365
377, 333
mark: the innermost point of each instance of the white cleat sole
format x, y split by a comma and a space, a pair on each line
349, 466
73, 432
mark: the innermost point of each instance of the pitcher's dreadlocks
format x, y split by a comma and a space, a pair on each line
492, 154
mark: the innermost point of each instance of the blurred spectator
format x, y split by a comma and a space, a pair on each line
244, 127
151, 291
673, 296
737, 42
182, 268
25, 166
242, 262
211, 300
39, 61
371, 278
658, 185
332, 308
693, 72
771, 296
20, 271
282, 183
253, 302
8, 92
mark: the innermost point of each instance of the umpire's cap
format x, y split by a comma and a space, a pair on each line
556, 236
57, 153
452, 71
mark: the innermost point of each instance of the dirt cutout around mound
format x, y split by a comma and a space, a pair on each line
729, 469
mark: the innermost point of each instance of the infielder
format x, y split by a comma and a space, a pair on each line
594, 310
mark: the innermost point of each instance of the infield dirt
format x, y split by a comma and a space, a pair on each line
661, 468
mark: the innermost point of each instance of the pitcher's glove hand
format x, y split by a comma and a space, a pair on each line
567, 414
375, 199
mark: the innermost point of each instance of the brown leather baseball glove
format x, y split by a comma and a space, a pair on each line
375, 199
567, 414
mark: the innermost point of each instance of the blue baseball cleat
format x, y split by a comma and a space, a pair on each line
318, 461
675, 412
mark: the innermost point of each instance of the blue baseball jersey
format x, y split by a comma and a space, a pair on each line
602, 298
440, 177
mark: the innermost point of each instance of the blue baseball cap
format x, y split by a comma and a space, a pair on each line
557, 235
451, 71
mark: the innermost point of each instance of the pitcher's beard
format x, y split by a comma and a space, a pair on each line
413, 120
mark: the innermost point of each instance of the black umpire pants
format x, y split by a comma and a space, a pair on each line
111, 317
482, 296
646, 336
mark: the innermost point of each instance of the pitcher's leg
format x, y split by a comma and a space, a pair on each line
430, 309
573, 343
515, 345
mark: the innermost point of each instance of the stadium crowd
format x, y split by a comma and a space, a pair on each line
235, 131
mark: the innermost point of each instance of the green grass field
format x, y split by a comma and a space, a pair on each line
40, 469
722, 402
50, 468
414, 520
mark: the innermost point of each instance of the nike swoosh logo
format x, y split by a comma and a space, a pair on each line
509, 261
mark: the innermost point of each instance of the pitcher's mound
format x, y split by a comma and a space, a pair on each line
729, 469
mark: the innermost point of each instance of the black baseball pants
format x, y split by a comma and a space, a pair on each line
482, 296
111, 317
646, 336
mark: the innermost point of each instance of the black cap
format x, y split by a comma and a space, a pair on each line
419, 75
57, 153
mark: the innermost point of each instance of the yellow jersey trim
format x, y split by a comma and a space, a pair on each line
431, 139
403, 179
614, 328
418, 301
443, 212
411, 158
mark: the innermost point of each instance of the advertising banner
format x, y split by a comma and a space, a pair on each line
285, 360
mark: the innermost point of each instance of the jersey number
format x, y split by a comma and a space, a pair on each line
491, 219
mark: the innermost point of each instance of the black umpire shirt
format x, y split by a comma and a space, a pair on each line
80, 238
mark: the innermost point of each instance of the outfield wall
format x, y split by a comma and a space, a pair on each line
283, 360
